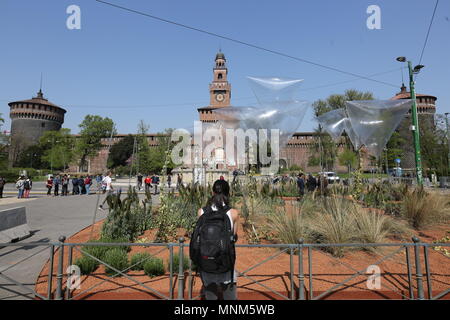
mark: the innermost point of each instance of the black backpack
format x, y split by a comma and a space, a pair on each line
212, 243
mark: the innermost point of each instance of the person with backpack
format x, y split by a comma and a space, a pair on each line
75, 189
20, 186
155, 182
27, 185
212, 247
81, 185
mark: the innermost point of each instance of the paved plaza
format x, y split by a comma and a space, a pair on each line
48, 218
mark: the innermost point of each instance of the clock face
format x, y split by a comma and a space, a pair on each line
220, 97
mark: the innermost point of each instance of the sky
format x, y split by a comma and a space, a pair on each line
129, 67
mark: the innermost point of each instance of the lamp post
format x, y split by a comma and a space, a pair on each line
414, 118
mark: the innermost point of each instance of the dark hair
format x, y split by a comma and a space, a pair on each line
221, 194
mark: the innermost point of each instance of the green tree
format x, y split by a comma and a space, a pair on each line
394, 149
3, 145
348, 158
58, 148
32, 157
121, 152
93, 129
434, 147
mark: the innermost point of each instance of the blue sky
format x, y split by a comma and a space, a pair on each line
129, 67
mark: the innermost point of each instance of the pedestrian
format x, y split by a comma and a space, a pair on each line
212, 247
155, 182
169, 180
179, 180
311, 183
56, 183
147, 183
65, 185
235, 174
301, 184
75, 189
139, 181
49, 185
27, 185
20, 186
2, 185
81, 185
87, 184
221, 178
107, 187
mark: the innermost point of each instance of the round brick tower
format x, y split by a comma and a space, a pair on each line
30, 119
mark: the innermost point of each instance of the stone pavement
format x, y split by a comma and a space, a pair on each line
48, 218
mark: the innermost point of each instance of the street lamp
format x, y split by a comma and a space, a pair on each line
414, 118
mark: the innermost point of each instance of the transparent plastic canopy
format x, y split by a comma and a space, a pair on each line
274, 91
333, 122
374, 121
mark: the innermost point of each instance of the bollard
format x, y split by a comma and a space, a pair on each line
301, 277
181, 269
59, 275
419, 275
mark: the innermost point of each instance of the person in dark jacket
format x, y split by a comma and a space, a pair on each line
301, 184
81, 185
75, 189
2, 185
311, 183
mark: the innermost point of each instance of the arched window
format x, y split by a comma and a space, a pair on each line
219, 76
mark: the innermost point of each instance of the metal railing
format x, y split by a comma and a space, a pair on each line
301, 257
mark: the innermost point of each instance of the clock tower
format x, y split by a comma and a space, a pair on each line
220, 88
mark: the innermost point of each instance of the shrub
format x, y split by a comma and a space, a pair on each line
154, 267
139, 259
373, 227
422, 209
334, 224
116, 258
86, 264
288, 228
176, 262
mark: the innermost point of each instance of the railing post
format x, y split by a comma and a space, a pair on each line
301, 277
50, 273
418, 269
181, 269
59, 275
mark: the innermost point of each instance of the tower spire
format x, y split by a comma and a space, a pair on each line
40, 94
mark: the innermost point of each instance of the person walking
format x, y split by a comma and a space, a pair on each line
87, 184
216, 228
49, 185
27, 185
155, 182
139, 181
107, 188
2, 185
301, 184
56, 182
147, 182
20, 186
179, 180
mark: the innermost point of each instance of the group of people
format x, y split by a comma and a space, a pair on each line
80, 185
311, 183
152, 181
23, 185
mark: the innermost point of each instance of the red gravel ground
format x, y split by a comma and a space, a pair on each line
272, 276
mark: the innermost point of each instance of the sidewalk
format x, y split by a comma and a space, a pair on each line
11, 200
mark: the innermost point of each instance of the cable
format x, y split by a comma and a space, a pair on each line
428, 32
244, 43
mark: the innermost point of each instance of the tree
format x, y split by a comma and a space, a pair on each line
3, 146
93, 129
434, 147
395, 148
58, 148
348, 158
121, 152
32, 157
